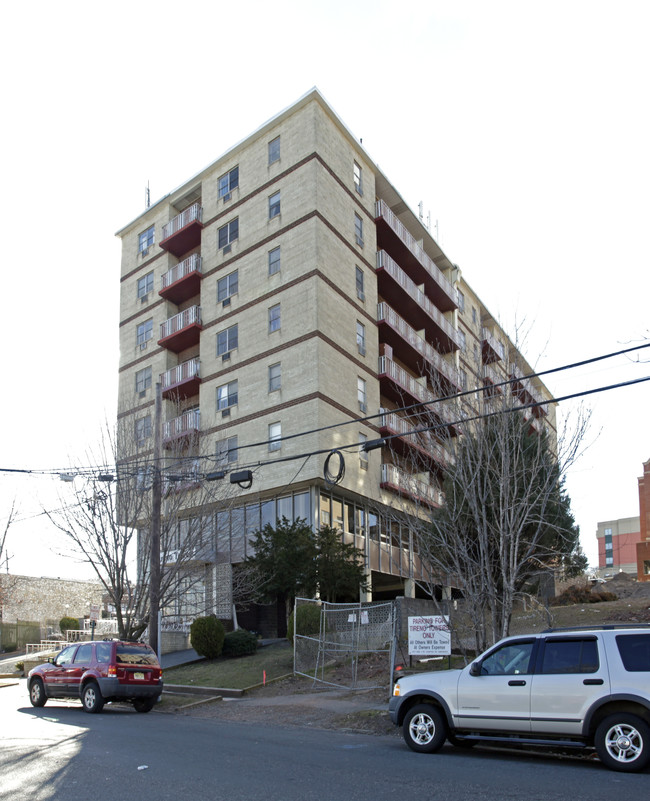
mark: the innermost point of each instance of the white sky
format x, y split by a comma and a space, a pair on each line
523, 127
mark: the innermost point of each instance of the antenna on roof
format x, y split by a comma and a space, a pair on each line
147, 196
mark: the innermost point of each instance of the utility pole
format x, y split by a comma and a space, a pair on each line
154, 568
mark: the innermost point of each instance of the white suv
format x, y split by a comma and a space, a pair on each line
578, 688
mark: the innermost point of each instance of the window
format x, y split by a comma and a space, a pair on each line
474, 315
357, 178
84, 654
274, 150
358, 229
227, 395
143, 429
274, 205
476, 355
103, 652
228, 233
146, 240
275, 436
359, 282
635, 651
363, 455
463, 380
461, 301
145, 285
361, 394
274, 261
361, 338
570, 656
227, 340
143, 379
227, 286
228, 182
275, 377
508, 660
462, 340
226, 451
274, 318
145, 333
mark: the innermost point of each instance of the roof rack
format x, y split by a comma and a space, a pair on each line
601, 627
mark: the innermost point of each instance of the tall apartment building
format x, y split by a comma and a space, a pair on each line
292, 304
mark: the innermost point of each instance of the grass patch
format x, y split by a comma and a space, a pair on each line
236, 673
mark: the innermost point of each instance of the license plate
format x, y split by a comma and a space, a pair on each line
139, 676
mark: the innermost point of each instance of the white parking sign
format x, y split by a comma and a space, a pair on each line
429, 636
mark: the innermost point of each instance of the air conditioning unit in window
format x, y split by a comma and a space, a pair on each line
226, 302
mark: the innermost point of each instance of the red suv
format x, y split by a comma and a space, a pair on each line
97, 672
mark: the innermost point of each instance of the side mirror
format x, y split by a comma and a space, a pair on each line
51, 660
475, 669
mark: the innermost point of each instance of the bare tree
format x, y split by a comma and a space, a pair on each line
109, 521
484, 503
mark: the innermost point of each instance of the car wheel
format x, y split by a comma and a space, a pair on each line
37, 693
623, 742
144, 704
424, 728
91, 698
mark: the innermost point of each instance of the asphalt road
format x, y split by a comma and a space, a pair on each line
61, 752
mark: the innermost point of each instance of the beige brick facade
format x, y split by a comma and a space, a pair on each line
341, 255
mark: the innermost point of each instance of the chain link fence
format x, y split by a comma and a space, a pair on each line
350, 647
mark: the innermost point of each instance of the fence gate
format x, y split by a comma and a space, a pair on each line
353, 648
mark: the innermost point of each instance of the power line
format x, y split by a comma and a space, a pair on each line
93, 471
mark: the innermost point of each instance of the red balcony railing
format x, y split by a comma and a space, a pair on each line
409, 299
182, 381
405, 389
393, 236
184, 426
182, 330
408, 485
398, 333
183, 281
183, 232
405, 436
493, 350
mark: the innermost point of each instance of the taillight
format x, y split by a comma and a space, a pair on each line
112, 670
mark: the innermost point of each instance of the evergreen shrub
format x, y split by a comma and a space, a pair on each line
206, 636
239, 643
67, 623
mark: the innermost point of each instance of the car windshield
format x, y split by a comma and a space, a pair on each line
136, 655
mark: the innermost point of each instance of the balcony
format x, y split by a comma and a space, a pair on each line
181, 331
393, 236
404, 294
405, 438
183, 281
180, 430
409, 486
523, 390
183, 232
404, 389
492, 349
492, 380
182, 381
414, 351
